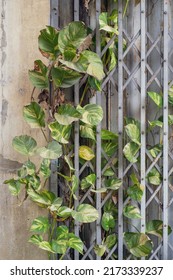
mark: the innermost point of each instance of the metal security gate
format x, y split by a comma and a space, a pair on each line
145, 65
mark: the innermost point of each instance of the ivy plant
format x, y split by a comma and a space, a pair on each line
70, 58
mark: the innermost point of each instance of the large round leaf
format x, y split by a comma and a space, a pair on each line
52, 151
85, 213
34, 115
60, 133
108, 221
155, 227
88, 62
131, 212
133, 132
24, 144
67, 114
64, 78
139, 244
86, 153
48, 41
91, 114
130, 150
72, 36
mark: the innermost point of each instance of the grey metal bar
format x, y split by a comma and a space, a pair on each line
76, 136
165, 131
120, 130
54, 13
143, 112
98, 137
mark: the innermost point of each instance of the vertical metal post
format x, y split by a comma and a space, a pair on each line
54, 21
98, 131
165, 131
76, 137
143, 112
120, 130
54, 17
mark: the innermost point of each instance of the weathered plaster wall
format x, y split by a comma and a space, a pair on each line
21, 21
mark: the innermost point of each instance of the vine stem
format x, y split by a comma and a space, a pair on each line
63, 255
44, 135
83, 94
125, 9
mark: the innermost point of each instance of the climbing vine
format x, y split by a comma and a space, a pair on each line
71, 58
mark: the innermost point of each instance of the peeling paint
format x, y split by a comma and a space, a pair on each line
9, 166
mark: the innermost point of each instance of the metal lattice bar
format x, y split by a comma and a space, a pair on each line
165, 132
120, 130
76, 131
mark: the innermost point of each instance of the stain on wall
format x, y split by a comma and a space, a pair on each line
20, 24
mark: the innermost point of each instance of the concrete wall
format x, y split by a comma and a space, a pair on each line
21, 21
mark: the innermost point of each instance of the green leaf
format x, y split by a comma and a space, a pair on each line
139, 244
88, 62
72, 36
155, 227
62, 232
91, 114
157, 98
88, 181
24, 144
75, 184
64, 78
132, 121
170, 95
14, 186
45, 197
111, 208
99, 190
85, 213
154, 151
30, 167
39, 76
56, 204
154, 177
110, 148
34, 181
59, 246
108, 221
103, 21
40, 225
48, 41
45, 245
45, 168
130, 150
100, 250
108, 135
155, 123
170, 119
94, 83
111, 240
69, 162
34, 115
36, 239
60, 133
87, 132
113, 183
67, 114
86, 153
135, 192
64, 212
133, 133
75, 242
131, 212
52, 151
